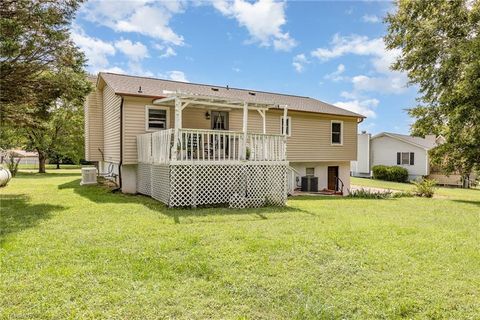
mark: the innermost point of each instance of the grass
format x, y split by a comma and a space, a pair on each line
440, 192
83, 252
34, 167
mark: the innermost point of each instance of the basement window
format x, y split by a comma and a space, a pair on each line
310, 172
156, 118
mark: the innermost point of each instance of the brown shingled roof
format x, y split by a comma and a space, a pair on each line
151, 87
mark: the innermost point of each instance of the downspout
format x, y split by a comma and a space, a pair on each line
121, 149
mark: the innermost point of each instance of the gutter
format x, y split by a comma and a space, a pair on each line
121, 149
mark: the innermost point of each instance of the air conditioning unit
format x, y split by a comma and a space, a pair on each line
309, 184
89, 176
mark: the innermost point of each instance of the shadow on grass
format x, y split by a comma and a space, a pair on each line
102, 194
36, 175
17, 214
475, 203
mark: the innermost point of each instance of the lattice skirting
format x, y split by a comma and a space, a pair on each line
144, 174
240, 185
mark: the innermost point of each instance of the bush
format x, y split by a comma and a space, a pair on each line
369, 194
425, 187
372, 194
393, 173
380, 172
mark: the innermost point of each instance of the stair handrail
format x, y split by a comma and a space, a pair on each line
337, 179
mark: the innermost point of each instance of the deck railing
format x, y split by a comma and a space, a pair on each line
209, 146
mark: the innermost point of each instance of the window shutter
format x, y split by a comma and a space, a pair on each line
412, 158
399, 157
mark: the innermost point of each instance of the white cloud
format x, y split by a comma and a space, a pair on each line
114, 70
236, 69
134, 51
371, 18
150, 18
96, 50
393, 84
299, 62
354, 44
337, 74
174, 75
364, 107
263, 19
167, 51
387, 81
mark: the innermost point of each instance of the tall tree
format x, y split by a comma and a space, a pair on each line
42, 71
440, 43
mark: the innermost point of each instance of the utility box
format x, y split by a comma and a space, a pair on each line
309, 184
89, 176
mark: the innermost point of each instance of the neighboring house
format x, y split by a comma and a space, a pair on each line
26, 157
393, 149
188, 144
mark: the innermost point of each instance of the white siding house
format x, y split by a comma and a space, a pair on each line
392, 149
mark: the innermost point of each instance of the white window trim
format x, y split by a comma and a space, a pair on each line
341, 133
409, 158
289, 127
148, 107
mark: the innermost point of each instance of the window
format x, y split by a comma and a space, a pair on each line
310, 172
157, 118
407, 158
337, 137
219, 120
289, 129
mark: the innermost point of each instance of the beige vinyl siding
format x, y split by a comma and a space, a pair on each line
111, 124
134, 121
93, 126
309, 141
310, 138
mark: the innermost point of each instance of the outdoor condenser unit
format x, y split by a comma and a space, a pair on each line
89, 176
310, 184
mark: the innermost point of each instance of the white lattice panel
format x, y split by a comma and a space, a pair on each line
160, 176
205, 184
143, 178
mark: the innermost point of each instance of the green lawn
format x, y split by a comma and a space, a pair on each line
440, 192
82, 252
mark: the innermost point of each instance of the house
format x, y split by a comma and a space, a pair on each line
189, 144
393, 149
26, 157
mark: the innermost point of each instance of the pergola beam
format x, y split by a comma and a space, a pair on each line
163, 100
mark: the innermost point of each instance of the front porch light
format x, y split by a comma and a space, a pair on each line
207, 115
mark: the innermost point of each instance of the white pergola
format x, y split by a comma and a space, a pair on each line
182, 100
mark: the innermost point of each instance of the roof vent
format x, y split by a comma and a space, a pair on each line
228, 87
214, 89
252, 93
140, 89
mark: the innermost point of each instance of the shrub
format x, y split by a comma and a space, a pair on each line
393, 173
380, 172
369, 194
425, 187
398, 174
403, 194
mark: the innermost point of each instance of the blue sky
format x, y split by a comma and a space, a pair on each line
332, 51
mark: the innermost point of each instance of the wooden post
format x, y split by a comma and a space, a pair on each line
178, 125
245, 129
285, 133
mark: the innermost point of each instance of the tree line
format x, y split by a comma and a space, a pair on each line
43, 80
